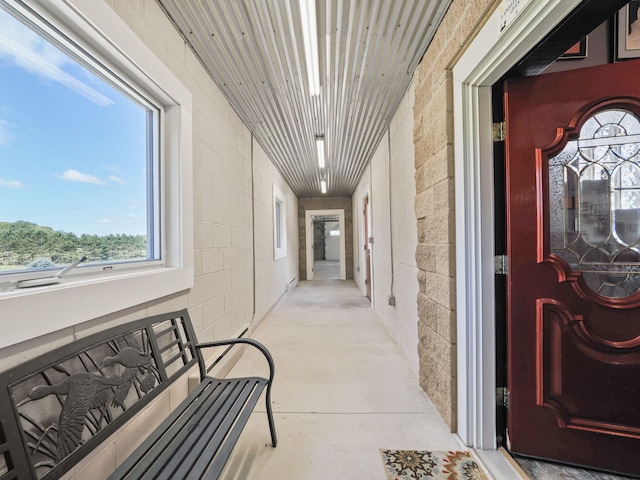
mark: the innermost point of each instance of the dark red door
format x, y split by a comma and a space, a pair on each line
573, 222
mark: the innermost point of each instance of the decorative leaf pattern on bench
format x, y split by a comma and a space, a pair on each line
63, 406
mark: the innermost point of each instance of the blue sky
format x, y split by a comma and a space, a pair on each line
72, 148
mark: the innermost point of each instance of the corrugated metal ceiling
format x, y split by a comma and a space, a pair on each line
368, 51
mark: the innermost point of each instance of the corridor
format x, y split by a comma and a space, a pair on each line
342, 391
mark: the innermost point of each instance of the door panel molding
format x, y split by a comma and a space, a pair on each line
556, 327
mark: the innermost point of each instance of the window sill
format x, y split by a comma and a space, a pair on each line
32, 312
278, 255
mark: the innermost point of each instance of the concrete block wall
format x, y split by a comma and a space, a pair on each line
273, 278
222, 299
435, 202
388, 181
403, 318
325, 203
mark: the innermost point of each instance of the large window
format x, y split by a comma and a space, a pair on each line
79, 157
95, 162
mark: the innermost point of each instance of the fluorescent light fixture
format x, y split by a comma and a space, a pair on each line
323, 186
320, 145
310, 37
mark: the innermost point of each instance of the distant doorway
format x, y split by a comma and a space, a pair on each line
326, 247
325, 234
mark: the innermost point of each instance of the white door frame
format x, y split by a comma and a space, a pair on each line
489, 56
308, 220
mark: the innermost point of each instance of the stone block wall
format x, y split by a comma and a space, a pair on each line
328, 203
435, 202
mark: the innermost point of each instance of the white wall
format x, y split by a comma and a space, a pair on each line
380, 182
272, 277
222, 299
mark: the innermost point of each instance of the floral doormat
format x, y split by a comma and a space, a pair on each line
437, 465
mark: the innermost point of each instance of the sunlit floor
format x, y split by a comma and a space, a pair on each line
342, 391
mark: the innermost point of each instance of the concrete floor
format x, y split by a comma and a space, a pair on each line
326, 270
342, 391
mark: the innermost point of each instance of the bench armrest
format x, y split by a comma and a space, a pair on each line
234, 341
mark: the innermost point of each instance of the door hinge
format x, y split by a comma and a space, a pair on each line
501, 264
371, 240
499, 131
502, 397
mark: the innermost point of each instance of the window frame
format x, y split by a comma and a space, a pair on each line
153, 112
97, 28
279, 224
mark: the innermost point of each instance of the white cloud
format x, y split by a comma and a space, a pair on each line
10, 183
26, 49
103, 220
72, 175
116, 179
131, 215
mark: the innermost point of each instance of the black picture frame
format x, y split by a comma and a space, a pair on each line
628, 31
578, 51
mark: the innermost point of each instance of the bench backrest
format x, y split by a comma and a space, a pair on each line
58, 407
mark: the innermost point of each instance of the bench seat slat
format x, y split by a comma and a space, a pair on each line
226, 435
161, 431
210, 394
214, 413
165, 459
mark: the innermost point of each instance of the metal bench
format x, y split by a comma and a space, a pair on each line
58, 407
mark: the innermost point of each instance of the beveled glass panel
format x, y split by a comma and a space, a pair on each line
595, 212
609, 117
594, 203
626, 203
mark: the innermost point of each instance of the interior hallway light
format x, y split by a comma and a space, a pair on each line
310, 37
323, 186
320, 145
